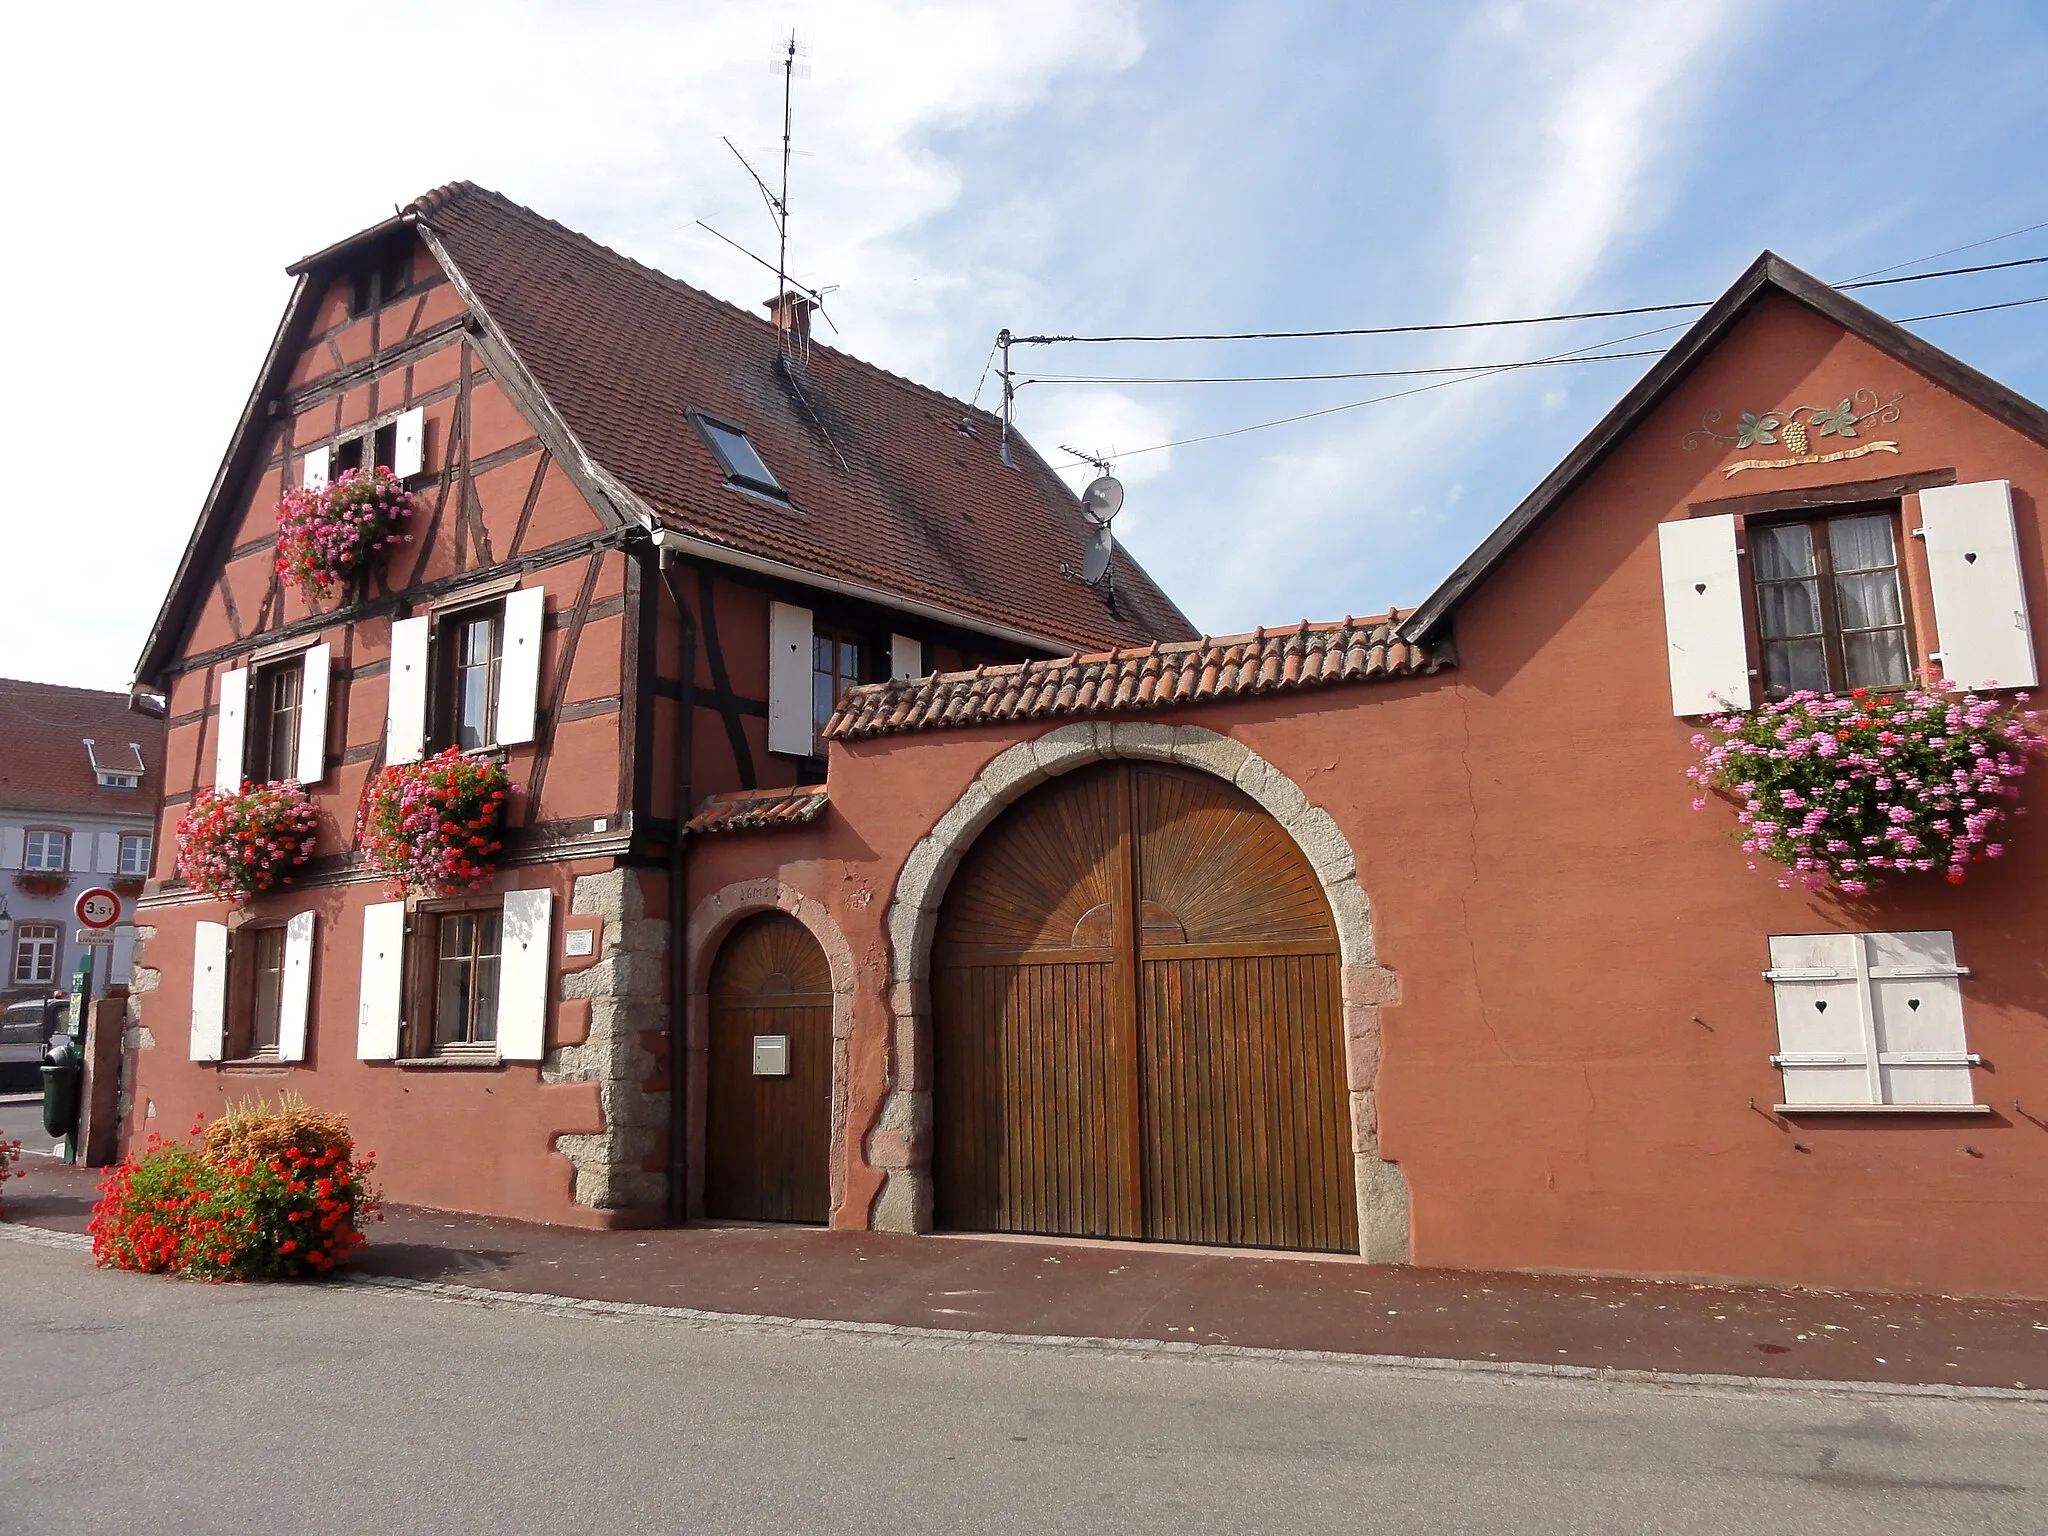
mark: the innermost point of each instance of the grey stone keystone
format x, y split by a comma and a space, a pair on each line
1194, 747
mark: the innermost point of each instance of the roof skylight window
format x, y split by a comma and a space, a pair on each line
744, 467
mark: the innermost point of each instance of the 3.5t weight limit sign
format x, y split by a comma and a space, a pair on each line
98, 908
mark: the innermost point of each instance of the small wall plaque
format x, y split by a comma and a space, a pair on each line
579, 941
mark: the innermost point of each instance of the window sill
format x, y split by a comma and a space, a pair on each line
1882, 1109
256, 1064
450, 1063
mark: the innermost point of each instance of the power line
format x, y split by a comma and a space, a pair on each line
1480, 325
1974, 309
1954, 250
1312, 378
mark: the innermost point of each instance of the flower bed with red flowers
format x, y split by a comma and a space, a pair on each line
326, 537
1845, 790
41, 882
432, 827
236, 845
259, 1194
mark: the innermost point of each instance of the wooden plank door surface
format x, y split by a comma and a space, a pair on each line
767, 1138
1138, 1028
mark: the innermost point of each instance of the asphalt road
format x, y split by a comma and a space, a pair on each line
135, 1403
21, 1119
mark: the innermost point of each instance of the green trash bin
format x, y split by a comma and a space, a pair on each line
63, 1073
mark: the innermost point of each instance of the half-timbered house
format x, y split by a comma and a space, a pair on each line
657, 537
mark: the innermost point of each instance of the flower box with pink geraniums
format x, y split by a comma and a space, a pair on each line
431, 828
329, 535
1844, 790
243, 842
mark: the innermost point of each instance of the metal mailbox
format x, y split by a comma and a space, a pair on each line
771, 1055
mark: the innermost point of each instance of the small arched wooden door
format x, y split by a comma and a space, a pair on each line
1137, 1023
768, 1113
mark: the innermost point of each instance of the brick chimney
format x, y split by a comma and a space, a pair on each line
791, 315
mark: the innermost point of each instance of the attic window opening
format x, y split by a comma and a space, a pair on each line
381, 277
743, 465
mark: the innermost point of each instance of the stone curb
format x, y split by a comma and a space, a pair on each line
1428, 1367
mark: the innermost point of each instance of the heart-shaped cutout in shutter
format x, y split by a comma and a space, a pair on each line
1913, 1003
1970, 558
1819, 1007
1701, 586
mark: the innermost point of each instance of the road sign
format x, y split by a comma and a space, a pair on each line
95, 936
98, 908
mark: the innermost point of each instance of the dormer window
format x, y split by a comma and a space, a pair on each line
122, 770
744, 467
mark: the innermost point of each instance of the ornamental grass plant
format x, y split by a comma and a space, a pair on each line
328, 535
431, 828
240, 843
261, 1193
1846, 790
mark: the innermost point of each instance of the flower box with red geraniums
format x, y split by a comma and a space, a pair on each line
327, 537
247, 841
41, 882
1844, 790
431, 828
128, 885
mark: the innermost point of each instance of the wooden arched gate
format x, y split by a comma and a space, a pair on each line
768, 1092
1137, 1022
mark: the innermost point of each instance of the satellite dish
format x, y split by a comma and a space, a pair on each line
1102, 500
1095, 565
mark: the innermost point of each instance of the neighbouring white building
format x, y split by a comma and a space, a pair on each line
80, 777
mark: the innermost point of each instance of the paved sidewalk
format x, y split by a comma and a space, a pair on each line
1131, 1291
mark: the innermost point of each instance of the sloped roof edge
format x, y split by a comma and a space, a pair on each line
1769, 272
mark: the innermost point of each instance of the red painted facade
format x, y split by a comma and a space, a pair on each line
1560, 1034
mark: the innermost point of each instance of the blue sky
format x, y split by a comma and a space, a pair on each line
1071, 166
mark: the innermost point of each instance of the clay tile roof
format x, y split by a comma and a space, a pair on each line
1153, 676
45, 764
743, 810
886, 489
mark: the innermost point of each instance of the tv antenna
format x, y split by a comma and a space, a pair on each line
1100, 503
791, 49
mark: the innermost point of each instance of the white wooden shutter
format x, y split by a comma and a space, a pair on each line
312, 753
121, 959
1980, 602
314, 477
106, 853
78, 851
405, 720
229, 725
1703, 626
209, 990
791, 727
380, 999
10, 847
906, 658
296, 999
1917, 1002
519, 669
411, 453
1824, 1033
523, 976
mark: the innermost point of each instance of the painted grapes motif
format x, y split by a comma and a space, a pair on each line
431, 828
246, 841
1844, 790
325, 537
1800, 430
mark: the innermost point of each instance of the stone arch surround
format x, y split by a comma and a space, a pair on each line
899, 1143
712, 920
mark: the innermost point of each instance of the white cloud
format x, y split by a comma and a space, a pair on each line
184, 155
1556, 131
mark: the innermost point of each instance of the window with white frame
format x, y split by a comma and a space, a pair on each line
1759, 604
272, 720
1870, 1021
134, 854
459, 978
43, 848
466, 675
35, 954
